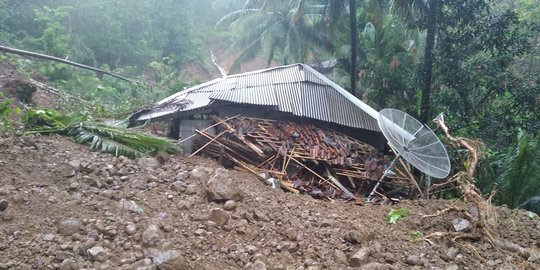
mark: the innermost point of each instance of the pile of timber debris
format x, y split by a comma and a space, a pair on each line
301, 158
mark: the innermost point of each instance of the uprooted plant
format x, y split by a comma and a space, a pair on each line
484, 221
101, 137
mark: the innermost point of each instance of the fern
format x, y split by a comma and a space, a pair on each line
101, 137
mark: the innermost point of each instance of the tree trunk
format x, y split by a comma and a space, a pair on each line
354, 38
428, 61
60, 60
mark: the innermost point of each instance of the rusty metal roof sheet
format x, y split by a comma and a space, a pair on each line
297, 89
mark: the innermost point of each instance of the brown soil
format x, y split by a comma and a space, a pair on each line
68, 208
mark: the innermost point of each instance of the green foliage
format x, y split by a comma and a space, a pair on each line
5, 112
396, 214
519, 171
387, 77
101, 137
416, 236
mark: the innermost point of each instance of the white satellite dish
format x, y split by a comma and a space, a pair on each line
413, 141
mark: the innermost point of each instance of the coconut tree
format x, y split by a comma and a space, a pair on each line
278, 28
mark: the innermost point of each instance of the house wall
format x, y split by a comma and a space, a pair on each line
187, 127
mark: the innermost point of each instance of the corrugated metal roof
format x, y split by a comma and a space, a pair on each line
297, 89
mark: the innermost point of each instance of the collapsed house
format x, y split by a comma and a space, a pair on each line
289, 125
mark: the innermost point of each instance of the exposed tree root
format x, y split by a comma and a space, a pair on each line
485, 221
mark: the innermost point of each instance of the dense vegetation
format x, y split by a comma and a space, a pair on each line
477, 61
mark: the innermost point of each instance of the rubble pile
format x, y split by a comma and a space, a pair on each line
299, 157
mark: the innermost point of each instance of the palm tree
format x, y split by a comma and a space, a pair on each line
278, 27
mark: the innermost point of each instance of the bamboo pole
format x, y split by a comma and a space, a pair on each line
206, 144
314, 173
246, 167
413, 181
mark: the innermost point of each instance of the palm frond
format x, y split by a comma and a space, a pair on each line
235, 15
101, 137
521, 171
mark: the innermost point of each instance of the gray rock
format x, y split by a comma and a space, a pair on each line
340, 256
353, 237
326, 223
360, 257
199, 232
151, 236
73, 186
451, 253
75, 164
461, 224
3, 205
130, 228
413, 260
69, 226
141, 184
98, 254
148, 163
257, 265
181, 176
199, 173
48, 237
219, 216
130, 206
91, 181
220, 189
191, 189
8, 215
229, 205
178, 186
260, 216
251, 249
169, 260
535, 257
473, 210
128, 258
452, 267
285, 246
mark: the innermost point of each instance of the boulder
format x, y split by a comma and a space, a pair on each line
219, 216
220, 190
360, 257
69, 226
